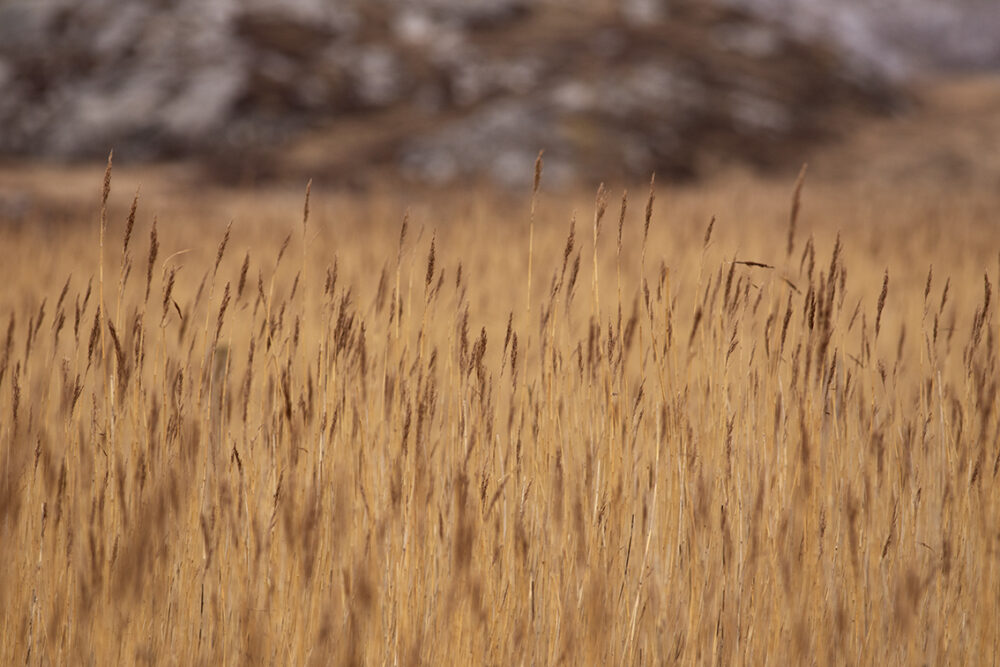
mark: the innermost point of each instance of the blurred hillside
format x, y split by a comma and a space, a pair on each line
443, 90
899, 37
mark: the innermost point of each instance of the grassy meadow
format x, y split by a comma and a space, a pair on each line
483, 428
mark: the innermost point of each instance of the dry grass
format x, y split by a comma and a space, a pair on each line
324, 439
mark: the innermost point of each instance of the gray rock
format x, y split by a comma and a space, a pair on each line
482, 84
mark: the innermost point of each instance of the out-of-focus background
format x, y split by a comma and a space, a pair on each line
442, 92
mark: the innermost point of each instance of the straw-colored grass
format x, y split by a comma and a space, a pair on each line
314, 437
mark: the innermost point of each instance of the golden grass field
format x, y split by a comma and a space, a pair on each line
331, 436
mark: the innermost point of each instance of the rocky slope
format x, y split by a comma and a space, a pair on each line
439, 90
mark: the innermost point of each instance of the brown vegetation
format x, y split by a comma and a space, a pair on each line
352, 435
